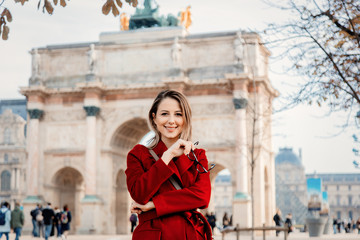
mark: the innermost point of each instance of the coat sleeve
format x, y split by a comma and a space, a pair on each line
12, 220
22, 218
8, 216
142, 185
193, 197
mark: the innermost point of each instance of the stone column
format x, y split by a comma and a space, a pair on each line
241, 146
91, 203
33, 163
242, 199
13, 180
17, 181
32, 176
91, 153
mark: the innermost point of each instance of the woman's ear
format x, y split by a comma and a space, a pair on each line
153, 115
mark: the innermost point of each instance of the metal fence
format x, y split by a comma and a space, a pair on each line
237, 230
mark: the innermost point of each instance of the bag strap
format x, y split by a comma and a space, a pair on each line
172, 180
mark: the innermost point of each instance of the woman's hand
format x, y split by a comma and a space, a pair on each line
179, 148
139, 208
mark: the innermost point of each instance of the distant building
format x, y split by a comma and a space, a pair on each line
18, 106
12, 155
291, 195
223, 196
343, 193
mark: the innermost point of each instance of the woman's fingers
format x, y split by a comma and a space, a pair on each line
138, 211
135, 208
142, 208
188, 146
181, 147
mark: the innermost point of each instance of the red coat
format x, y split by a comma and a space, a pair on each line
175, 216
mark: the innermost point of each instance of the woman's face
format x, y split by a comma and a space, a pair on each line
169, 120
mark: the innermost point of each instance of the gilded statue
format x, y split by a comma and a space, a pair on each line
185, 17
124, 22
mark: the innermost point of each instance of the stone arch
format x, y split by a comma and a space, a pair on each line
124, 138
118, 118
129, 134
122, 203
5, 180
69, 188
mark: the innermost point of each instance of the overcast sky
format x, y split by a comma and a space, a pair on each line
308, 128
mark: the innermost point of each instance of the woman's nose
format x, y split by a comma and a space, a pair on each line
171, 119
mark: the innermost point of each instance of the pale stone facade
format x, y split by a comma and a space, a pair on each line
84, 119
12, 157
343, 189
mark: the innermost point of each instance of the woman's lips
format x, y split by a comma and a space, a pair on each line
171, 129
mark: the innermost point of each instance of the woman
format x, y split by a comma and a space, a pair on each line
166, 212
57, 222
65, 220
277, 219
288, 223
226, 220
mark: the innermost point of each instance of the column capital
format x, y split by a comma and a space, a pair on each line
91, 110
35, 113
33, 199
240, 103
91, 199
242, 196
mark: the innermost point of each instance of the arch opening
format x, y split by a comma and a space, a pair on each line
129, 134
69, 189
222, 194
124, 139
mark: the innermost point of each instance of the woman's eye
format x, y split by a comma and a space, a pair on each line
179, 114
163, 114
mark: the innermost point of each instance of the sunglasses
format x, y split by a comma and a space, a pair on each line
199, 167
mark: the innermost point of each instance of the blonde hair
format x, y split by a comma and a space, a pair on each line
185, 108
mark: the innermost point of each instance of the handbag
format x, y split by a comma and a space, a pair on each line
39, 216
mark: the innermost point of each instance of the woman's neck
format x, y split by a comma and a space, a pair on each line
168, 142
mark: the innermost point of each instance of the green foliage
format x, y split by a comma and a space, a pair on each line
48, 6
322, 41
